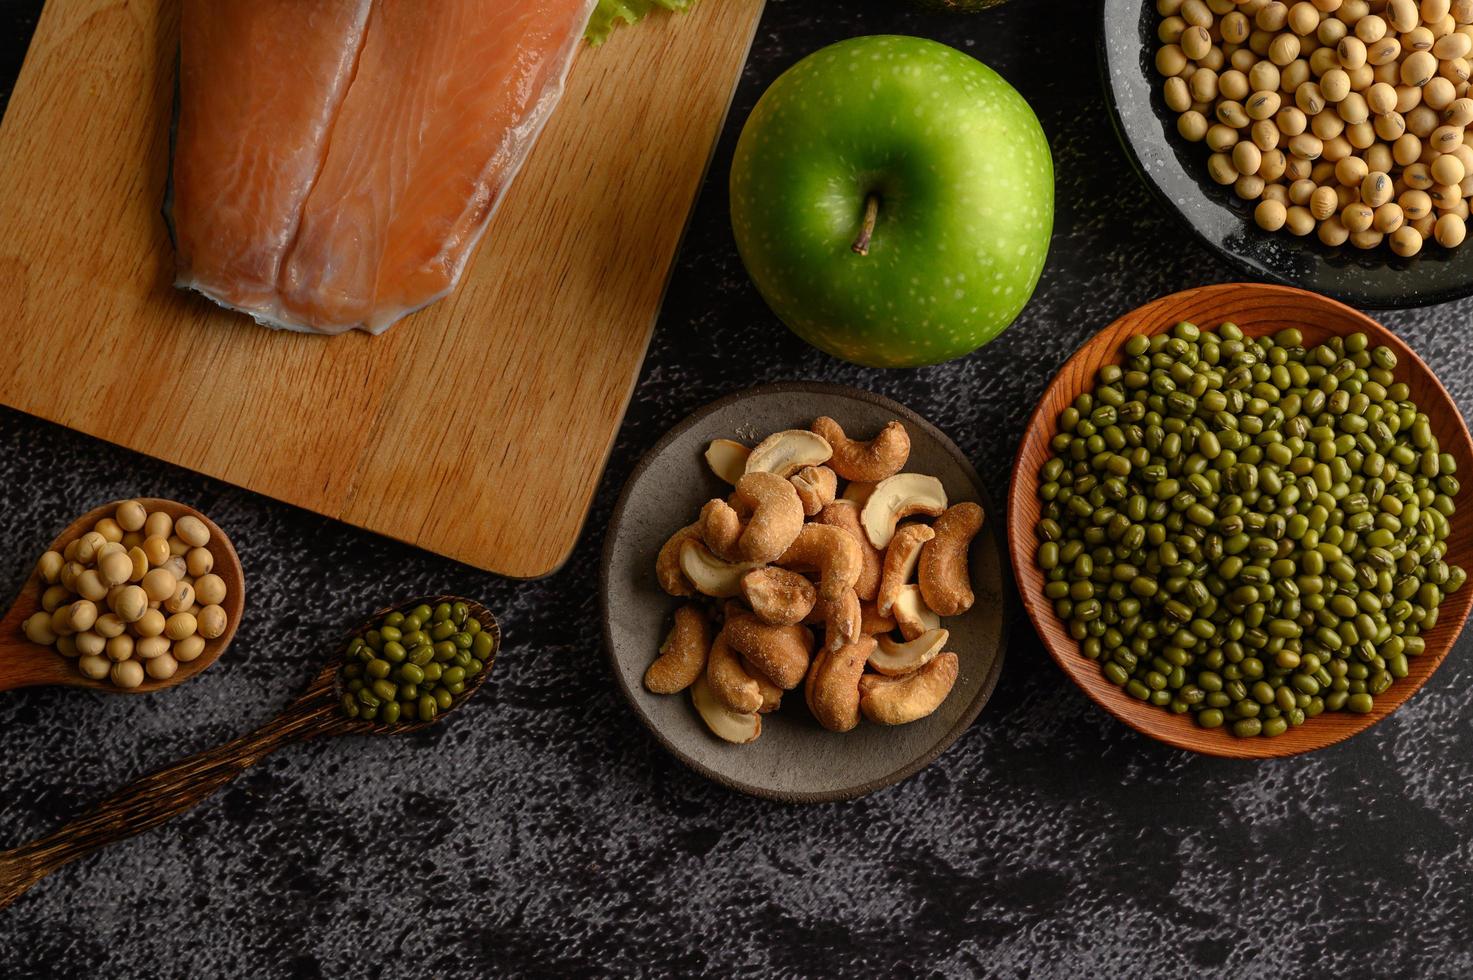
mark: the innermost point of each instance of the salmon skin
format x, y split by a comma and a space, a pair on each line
336, 162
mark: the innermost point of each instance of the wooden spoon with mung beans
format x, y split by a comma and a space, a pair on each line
154, 799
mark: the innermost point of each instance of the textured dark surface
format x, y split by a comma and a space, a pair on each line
543, 830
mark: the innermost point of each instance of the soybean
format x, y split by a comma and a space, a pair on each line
1303, 103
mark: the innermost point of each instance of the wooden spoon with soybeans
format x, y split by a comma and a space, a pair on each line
24, 663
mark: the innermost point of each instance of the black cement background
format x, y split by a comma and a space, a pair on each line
543, 831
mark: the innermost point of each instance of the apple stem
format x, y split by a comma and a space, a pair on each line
867, 230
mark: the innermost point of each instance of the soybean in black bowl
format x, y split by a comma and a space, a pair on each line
1176, 172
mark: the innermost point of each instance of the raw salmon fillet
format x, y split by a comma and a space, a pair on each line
260, 82
337, 162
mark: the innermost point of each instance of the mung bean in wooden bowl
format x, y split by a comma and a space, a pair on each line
1228, 504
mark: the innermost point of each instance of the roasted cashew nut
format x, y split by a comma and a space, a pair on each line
709, 574
845, 514
724, 723
780, 652
787, 452
946, 583
772, 695
832, 552
727, 459
871, 622
897, 498
777, 516
777, 596
912, 614
721, 528
816, 486
833, 686
898, 659
901, 700
869, 462
842, 620
730, 682
799, 553
683, 654
900, 561
667, 565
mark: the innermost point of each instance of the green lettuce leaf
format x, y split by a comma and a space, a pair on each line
609, 13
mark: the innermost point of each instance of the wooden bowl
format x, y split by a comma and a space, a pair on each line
1257, 309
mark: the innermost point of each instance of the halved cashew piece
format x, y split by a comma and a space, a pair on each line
872, 461
816, 486
898, 659
857, 491
721, 527
787, 452
777, 596
727, 459
730, 682
710, 574
780, 652
946, 583
667, 565
841, 621
832, 551
911, 613
832, 690
871, 622
845, 514
683, 654
897, 498
772, 695
777, 516
724, 723
900, 562
900, 700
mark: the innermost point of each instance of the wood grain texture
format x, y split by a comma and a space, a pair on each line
1257, 309
477, 428
154, 799
27, 664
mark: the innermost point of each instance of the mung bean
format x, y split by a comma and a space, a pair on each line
397, 670
1262, 541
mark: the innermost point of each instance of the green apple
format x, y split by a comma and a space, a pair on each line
892, 199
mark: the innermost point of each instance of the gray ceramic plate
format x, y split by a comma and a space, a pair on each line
795, 760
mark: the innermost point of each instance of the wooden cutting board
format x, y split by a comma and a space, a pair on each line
477, 428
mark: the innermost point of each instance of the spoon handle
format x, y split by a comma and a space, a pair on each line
150, 801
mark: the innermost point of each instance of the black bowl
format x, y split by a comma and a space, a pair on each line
1176, 171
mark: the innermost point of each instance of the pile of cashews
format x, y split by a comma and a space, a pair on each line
794, 549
